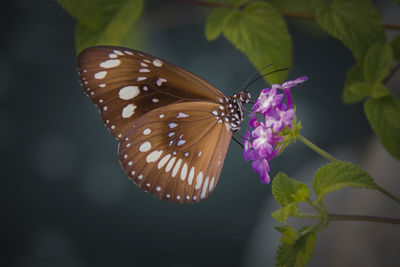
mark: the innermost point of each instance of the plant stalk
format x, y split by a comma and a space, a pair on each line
337, 217
323, 153
388, 194
283, 12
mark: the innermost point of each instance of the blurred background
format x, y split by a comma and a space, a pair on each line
66, 202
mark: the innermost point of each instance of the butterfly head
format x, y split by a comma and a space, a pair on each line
244, 97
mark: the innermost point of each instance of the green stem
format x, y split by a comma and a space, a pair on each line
320, 211
323, 153
337, 217
283, 12
308, 215
389, 195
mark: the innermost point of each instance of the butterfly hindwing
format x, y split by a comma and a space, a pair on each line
176, 152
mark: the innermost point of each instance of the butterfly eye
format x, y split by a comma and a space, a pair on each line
173, 127
244, 97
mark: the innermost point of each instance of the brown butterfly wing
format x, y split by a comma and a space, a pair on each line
126, 84
176, 152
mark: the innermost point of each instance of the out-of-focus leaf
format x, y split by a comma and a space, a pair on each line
260, 32
357, 23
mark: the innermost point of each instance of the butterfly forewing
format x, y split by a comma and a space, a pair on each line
174, 128
176, 152
126, 84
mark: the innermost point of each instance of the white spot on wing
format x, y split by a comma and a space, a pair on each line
199, 180
144, 70
100, 75
191, 175
160, 81
171, 134
161, 116
155, 100
143, 64
182, 115
172, 125
204, 190
146, 131
181, 142
128, 111
141, 79
153, 156
184, 172
211, 187
164, 160
170, 164
157, 63
111, 63
145, 147
176, 168
128, 92
128, 52
112, 55
118, 52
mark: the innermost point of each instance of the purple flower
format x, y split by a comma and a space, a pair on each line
278, 119
266, 140
261, 166
268, 99
262, 140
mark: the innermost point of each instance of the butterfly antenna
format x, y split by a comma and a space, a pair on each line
261, 76
254, 74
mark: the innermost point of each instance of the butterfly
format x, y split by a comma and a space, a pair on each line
173, 127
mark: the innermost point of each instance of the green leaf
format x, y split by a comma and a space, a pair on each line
298, 254
302, 191
85, 12
357, 23
361, 89
284, 213
216, 22
286, 190
289, 234
337, 175
282, 189
384, 116
379, 90
353, 95
378, 61
260, 32
396, 46
118, 18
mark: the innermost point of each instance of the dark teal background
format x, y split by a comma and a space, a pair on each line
64, 199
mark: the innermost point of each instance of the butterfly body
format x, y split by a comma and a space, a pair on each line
173, 128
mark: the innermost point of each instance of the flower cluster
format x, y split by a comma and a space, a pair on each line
267, 138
